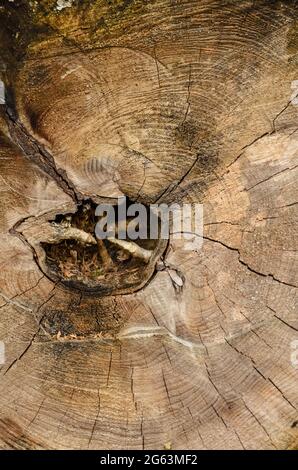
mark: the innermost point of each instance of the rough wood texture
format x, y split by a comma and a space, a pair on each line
162, 101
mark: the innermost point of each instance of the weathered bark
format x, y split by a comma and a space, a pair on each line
160, 101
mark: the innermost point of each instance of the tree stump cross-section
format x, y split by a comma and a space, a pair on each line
144, 344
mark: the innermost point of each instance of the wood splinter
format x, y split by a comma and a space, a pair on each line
66, 232
132, 248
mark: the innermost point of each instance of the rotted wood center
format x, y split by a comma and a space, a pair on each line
80, 260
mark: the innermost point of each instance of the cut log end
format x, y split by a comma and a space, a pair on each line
132, 344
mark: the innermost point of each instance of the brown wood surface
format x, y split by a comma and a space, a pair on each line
160, 101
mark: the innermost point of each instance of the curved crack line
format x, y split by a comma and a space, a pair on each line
269, 178
170, 188
37, 153
268, 133
246, 264
13, 231
39, 327
10, 300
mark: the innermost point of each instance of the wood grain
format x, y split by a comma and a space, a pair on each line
159, 101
